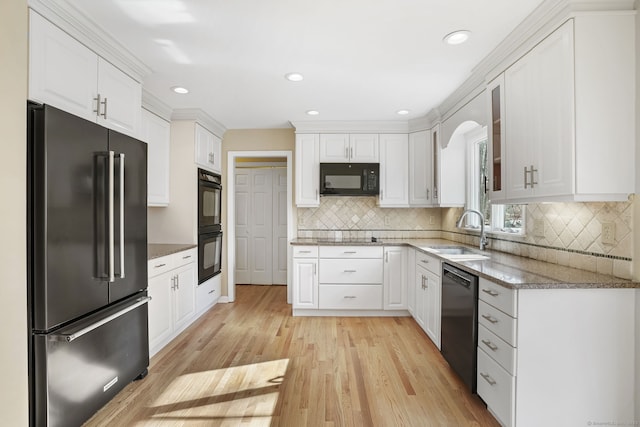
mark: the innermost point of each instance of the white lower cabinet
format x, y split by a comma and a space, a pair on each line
305, 277
555, 357
411, 281
172, 288
428, 295
395, 278
208, 293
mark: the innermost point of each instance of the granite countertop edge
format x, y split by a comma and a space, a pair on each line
509, 271
157, 250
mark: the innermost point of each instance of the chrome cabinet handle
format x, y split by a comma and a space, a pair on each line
350, 252
488, 379
346, 152
427, 194
177, 282
159, 265
491, 292
314, 269
304, 252
424, 261
97, 110
386, 257
532, 176
351, 157
350, 297
104, 111
525, 177
489, 344
186, 257
210, 292
435, 193
350, 271
490, 318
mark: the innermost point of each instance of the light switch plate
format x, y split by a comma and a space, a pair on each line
608, 236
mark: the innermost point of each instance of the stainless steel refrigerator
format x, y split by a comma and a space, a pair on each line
87, 277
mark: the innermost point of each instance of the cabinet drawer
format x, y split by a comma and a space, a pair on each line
185, 257
340, 297
207, 293
498, 296
496, 387
351, 251
498, 349
305, 252
160, 265
350, 271
430, 263
502, 325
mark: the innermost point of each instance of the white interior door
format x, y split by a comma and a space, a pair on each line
279, 226
261, 223
243, 231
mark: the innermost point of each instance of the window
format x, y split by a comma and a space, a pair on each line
497, 218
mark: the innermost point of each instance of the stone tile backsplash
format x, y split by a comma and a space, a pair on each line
561, 233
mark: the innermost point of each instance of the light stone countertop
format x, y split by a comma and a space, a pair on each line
510, 271
157, 250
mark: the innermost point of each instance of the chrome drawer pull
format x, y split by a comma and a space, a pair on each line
350, 271
489, 344
350, 252
304, 252
159, 265
490, 318
350, 297
425, 261
186, 257
491, 292
488, 379
210, 292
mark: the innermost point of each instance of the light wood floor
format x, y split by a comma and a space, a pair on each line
251, 363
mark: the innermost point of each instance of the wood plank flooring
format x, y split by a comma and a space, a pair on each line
251, 363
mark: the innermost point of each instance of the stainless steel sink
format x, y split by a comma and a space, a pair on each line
457, 253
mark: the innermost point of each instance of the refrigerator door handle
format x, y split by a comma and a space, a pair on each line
111, 215
77, 334
121, 225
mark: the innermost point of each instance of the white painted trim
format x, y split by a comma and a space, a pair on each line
231, 213
202, 118
153, 104
350, 313
351, 126
65, 16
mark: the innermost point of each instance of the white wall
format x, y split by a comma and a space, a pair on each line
177, 223
13, 262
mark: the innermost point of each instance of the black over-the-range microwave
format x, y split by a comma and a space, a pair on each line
349, 179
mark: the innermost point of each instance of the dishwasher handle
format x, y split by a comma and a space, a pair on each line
460, 280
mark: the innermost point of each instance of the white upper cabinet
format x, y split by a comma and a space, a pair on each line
496, 133
156, 132
208, 150
569, 114
420, 169
394, 165
349, 148
67, 75
307, 169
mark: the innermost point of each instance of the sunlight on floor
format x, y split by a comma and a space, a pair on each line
246, 394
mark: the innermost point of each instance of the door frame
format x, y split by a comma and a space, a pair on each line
231, 214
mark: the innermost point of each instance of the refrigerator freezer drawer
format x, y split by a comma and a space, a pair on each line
74, 377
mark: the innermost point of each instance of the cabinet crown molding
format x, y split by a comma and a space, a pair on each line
71, 20
351, 126
153, 104
201, 117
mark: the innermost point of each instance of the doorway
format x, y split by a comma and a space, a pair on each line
261, 222
232, 156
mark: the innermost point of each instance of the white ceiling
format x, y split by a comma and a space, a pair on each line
362, 59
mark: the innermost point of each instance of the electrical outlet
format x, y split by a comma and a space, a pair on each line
538, 227
608, 236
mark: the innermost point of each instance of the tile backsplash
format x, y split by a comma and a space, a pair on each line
561, 233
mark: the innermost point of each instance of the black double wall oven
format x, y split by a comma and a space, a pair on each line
209, 225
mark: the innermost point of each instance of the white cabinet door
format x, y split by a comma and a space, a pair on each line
160, 310
184, 294
420, 310
208, 150
420, 169
334, 148
394, 170
156, 133
307, 170
395, 278
120, 100
305, 283
62, 71
411, 280
539, 128
433, 307
436, 158
496, 135
364, 148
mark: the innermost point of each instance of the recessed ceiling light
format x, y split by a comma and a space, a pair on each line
294, 77
457, 37
179, 89
402, 112
313, 112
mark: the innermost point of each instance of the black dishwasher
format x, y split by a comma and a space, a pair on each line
459, 322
